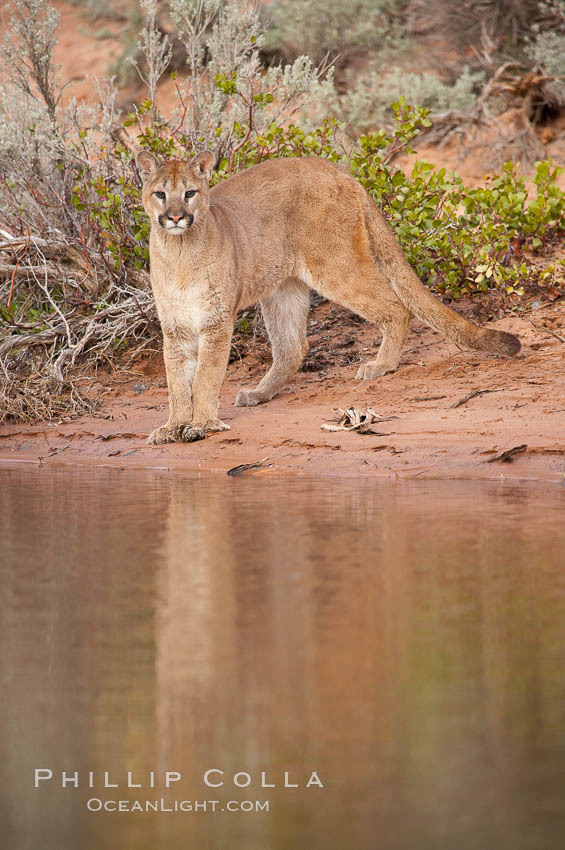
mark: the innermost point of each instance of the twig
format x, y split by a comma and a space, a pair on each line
57, 309
508, 455
244, 467
26, 249
548, 331
475, 393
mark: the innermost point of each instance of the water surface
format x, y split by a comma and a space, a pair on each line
406, 641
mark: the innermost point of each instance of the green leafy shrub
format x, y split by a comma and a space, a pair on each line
459, 240
462, 240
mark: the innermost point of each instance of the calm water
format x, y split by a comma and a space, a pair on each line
406, 641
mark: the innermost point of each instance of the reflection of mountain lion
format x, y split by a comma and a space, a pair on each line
270, 234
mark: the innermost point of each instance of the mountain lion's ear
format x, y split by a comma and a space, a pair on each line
146, 162
203, 163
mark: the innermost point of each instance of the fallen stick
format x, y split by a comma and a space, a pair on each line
475, 393
548, 331
508, 455
243, 467
120, 435
7, 268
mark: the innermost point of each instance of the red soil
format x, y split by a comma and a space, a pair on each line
428, 439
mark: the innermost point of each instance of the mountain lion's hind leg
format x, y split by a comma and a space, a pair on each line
366, 291
285, 315
394, 324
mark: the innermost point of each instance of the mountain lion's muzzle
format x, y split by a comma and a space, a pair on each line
176, 223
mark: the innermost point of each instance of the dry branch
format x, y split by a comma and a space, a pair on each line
474, 394
61, 326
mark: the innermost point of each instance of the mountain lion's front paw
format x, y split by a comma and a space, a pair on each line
165, 434
192, 433
372, 370
249, 398
213, 425
196, 431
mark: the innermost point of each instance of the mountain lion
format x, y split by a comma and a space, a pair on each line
270, 234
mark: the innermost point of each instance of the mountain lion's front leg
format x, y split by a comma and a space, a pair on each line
213, 353
180, 351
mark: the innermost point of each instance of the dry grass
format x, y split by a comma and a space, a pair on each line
65, 313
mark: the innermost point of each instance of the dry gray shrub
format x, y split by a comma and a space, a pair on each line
225, 40
154, 46
317, 28
367, 104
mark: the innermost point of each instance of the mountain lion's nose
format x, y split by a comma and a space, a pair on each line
176, 218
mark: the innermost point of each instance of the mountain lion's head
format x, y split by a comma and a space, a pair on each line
175, 193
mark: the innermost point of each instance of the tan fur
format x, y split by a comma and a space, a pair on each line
270, 234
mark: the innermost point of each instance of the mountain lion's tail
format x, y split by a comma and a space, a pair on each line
420, 301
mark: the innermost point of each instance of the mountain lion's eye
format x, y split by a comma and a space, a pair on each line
189, 194
161, 195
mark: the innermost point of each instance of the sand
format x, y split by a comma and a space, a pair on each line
422, 436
